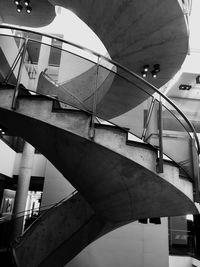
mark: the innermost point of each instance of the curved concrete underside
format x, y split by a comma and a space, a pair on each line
78, 227
134, 33
118, 188
42, 245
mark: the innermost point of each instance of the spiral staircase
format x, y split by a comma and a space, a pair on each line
83, 126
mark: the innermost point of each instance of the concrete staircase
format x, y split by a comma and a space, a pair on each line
115, 176
59, 234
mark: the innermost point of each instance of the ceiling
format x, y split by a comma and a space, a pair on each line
134, 32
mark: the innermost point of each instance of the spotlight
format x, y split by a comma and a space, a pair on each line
157, 68
154, 74
19, 8
28, 9
184, 87
26, 2
144, 74
17, 2
146, 68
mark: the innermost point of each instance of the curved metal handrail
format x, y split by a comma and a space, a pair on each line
118, 65
44, 208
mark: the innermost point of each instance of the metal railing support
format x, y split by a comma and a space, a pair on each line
160, 129
16, 92
13, 65
148, 119
196, 175
94, 107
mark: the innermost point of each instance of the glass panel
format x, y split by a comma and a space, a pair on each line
9, 58
181, 236
91, 83
130, 104
69, 77
176, 140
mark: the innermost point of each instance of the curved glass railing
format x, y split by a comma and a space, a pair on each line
82, 79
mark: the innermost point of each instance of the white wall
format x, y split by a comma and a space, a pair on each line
7, 159
134, 245
180, 261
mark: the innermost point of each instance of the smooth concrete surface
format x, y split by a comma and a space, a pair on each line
77, 122
50, 241
119, 188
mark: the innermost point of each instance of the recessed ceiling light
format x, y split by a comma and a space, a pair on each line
26, 2
17, 2
19, 8
28, 9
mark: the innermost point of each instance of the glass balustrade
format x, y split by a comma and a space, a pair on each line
88, 81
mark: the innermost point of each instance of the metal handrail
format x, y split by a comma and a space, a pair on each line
44, 208
118, 65
132, 74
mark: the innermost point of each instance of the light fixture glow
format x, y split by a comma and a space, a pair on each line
157, 68
190, 217
17, 2
144, 74
146, 68
19, 8
154, 75
28, 9
26, 2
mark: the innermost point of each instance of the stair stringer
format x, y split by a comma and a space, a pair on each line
58, 235
118, 188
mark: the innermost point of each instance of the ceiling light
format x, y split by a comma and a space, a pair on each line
157, 68
28, 9
19, 8
144, 74
154, 74
17, 2
146, 68
26, 2
185, 87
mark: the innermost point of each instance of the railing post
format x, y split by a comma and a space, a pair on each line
94, 107
13, 65
160, 129
195, 165
16, 92
148, 119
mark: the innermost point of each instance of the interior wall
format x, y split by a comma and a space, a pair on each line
180, 261
134, 245
7, 159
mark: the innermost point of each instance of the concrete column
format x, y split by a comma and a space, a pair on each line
22, 189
